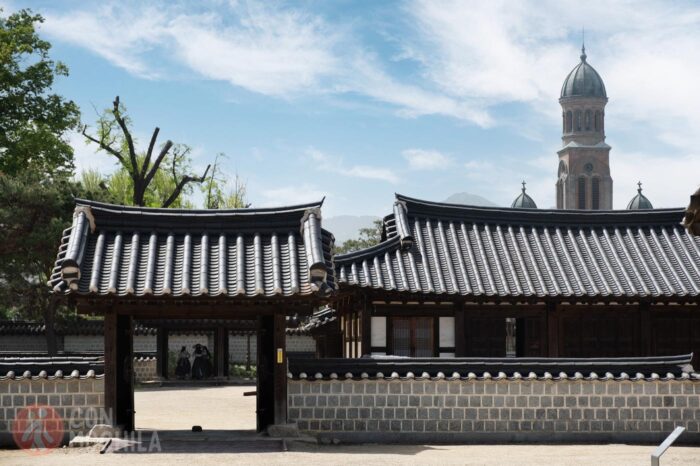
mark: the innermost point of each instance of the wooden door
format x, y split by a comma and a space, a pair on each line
485, 336
530, 336
413, 337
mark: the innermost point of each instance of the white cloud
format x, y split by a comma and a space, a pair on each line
668, 181
121, 35
497, 52
270, 50
421, 159
291, 195
336, 165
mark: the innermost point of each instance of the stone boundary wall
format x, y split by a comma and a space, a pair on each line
17, 343
145, 370
147, 343
79, 401
446, 411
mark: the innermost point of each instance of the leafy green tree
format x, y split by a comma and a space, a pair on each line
33, 122
367, 237
216, 195
143, 180
36, 163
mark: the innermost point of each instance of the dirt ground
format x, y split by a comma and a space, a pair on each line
218, 408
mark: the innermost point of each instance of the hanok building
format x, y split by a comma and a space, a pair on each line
128, 263
451, 280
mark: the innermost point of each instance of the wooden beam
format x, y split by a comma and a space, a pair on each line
645, 334
125, 373
162, 352
280, 369
366, 320
110, 356
552, 330
220, 359
460, 338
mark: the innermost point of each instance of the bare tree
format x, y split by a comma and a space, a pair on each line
113, 136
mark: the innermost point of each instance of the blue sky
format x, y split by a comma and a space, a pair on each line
358, 100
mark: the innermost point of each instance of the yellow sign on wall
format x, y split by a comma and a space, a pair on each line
280, 355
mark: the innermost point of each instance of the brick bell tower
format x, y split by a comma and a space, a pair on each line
583, 180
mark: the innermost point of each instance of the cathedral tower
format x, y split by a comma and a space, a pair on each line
584, 180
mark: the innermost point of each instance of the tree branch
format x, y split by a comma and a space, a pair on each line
127, 136
104, 146
182, 183
147, 161
154, 169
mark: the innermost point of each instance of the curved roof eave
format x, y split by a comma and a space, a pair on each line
422, 208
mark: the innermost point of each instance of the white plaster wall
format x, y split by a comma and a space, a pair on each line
238, 348
301, 344
23, 343
145, 343
176, 342
80, 343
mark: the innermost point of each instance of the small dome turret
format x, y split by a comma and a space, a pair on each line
583, 81
523, 201
640, 201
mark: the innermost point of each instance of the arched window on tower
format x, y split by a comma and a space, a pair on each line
602, 122
588, 120
577, 120
569, 121
597, 120
595, 193
560, 194
582, 192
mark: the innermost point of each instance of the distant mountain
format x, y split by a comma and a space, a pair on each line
345, 227
469, 199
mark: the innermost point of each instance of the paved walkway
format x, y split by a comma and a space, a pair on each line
226, 408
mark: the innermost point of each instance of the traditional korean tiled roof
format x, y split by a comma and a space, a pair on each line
55, 367
319, 318
242, 253
434, 248
393, 367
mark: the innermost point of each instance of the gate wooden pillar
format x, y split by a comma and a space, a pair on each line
280, 368
221, 352
119, 373
162, 352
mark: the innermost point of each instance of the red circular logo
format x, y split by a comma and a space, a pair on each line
37, 428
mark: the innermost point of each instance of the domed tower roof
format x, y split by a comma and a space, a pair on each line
523, 201
640, 201
583, 81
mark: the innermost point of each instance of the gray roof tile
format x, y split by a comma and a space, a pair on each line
484, 251
132, 251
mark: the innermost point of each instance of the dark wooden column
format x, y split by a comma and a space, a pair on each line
280, 368
119, 374
110, 355
265, 399
366, 320
460, 341
162, 352
645, 336
220, 352
553, 311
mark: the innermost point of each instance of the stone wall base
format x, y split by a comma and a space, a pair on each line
497, 438
467, 410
